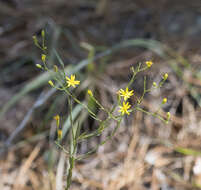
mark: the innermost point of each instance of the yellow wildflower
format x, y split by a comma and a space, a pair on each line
149, 63
71, 81
51, 83
57, 118
164, 100
125, 93
124, 109
90, 93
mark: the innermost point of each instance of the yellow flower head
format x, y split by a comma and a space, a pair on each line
149, 63
124, 109
165, 76
71, 81
164, 100
51, 83
57, 118
90, 93
125, 93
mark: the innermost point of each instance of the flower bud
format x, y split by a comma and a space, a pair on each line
51, 83
90, 93
168, 115
43, 33
164, 100
149, 63
154, 84
165, 76
35, 39
43, 58
55, 69
57, 118
59, 134
39, 66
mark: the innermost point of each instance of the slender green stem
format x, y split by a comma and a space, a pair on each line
61, 147
85, 106
150, 113
96, 132
135, 72
101, 143
144, 92
70, 171
104, 109
72, 149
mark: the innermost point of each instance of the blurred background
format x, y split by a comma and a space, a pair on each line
145, 153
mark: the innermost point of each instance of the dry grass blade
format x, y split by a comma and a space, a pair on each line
60, 172
21, 178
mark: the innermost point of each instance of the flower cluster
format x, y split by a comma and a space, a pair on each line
70, 81
124, 106
123, 103
126, 94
